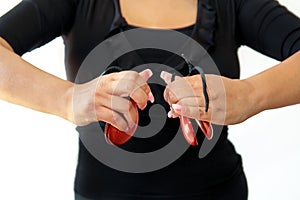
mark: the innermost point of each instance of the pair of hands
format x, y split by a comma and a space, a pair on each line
107, 99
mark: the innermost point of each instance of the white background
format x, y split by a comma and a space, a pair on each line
38, 152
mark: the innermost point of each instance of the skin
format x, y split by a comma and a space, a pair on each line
274, 88
170, 14
24, 84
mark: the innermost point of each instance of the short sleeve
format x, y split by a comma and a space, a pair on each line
268, 27
33, 23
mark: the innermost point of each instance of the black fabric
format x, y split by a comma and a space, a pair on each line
32, 24
222, 27
267, 27
235, 189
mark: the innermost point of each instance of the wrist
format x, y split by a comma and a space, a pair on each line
67, 104
256, 98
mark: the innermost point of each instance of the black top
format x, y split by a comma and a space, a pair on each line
222, 27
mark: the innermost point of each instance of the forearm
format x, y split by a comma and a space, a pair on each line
278, 86
23, 84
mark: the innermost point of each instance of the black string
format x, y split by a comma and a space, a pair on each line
173, 77
202, 74
204, 86
111, 69
191, 69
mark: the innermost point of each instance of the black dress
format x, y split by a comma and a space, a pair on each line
221, 28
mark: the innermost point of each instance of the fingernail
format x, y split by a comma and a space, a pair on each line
177, 107
150, 72
165, 76
162, 74
151, 97
170, 114
143, 108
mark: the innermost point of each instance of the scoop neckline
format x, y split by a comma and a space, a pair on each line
164, 29
117, 4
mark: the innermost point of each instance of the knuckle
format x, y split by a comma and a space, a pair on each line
212, 94
200, 112
115, 118
186, 110
134, 75
145, 87
121, 124
126, 107
99, 114
140, 98
130, 87
143, 99
135, 93
130, 107
172, 97
101, 82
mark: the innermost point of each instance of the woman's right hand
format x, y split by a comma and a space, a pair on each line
106, 98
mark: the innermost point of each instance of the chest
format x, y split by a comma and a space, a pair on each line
169, 14
94, 18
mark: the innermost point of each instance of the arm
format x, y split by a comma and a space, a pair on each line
33, 23
275, 87
267, 27
278, 86
22, 83
233, 101
271, 29
29, 25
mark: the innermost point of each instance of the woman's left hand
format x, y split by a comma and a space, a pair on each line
230, 100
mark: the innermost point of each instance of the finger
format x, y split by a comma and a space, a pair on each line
139, 93
191, 112
146, 74
140, 97
131, 116
128, 88
132, 80
114, 118
178, 90
166, 76
134, 85
116, 103
192, 101
172, 114
135, 77
121, 106
174, 95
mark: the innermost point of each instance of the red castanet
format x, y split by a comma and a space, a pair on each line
206, 129
116, 137
188, 130
189, 133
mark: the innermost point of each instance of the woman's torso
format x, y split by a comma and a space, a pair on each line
186, 177
167, 14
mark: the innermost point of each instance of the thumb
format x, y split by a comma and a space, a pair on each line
166, 76
146, 74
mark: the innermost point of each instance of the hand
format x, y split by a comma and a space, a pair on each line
107, 99
230, 100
